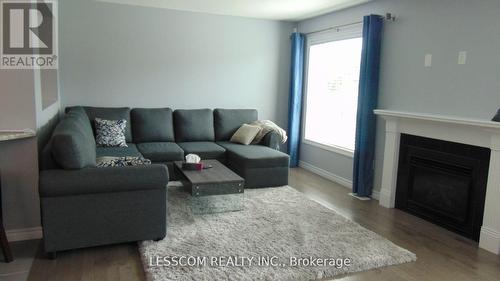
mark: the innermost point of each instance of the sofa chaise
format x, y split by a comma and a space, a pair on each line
84, 206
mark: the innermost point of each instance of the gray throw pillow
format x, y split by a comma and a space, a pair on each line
110, 132
245, 134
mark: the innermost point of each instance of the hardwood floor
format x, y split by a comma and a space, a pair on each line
441, 255
113, 263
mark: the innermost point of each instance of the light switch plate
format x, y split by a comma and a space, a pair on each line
428, 60
462, 57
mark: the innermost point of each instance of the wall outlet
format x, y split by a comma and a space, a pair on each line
428, 60
462, 57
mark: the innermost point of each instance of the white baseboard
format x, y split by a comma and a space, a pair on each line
327, 175
490, 240
24, 234
335, 178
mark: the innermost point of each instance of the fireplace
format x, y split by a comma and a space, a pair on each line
457, 130
443, 182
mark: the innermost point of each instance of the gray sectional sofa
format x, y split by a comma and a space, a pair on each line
83, 205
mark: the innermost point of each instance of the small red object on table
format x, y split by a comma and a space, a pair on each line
192, 166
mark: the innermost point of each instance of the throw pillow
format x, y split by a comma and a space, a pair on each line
110, 132
245, 134
109, 161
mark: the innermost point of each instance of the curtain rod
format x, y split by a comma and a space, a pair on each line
334, 27
387, 17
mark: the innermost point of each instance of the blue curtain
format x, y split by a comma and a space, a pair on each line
367, 102
295, 99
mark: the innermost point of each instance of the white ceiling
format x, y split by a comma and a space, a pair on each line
290, 10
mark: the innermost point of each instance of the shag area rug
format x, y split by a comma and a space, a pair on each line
280, 235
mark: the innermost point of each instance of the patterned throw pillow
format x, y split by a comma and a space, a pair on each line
109, 161
110, 132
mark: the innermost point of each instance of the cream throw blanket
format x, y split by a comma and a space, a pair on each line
266, 127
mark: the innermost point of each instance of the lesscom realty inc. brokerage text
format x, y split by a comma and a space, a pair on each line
241, 261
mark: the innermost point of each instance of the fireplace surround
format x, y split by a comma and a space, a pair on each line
475, 132
443, 182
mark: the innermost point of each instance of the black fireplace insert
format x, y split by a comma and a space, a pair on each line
443, 182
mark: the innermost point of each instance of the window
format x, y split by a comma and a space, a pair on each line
332, 93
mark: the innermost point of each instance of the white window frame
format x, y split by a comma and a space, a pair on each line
355, 31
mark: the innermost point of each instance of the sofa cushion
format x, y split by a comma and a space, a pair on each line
152, 125
227, 121
72, 142
204, 149
110, 113
161, 151
194, 125
130, 150
254, 156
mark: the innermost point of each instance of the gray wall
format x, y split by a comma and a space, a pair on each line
121, 55
47, 103
18, 164
441, 28
48, 87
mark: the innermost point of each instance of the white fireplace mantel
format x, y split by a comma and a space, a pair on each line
476, 132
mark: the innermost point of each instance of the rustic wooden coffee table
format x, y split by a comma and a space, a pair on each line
214, 190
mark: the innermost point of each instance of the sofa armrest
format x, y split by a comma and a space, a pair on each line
272, 140
102, 180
